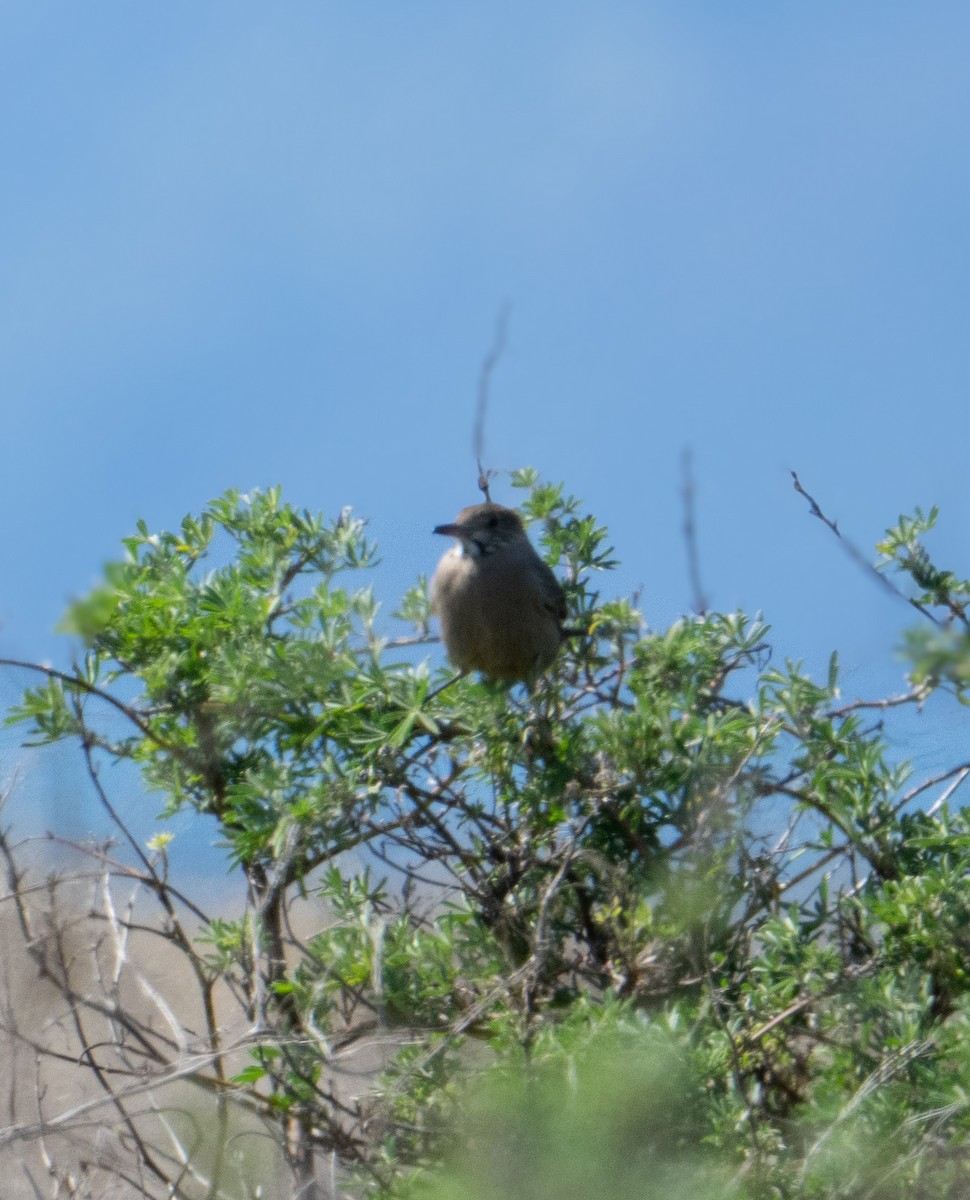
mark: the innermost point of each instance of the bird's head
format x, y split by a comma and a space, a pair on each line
484, 528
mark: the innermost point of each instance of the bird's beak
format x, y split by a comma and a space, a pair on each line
450, 530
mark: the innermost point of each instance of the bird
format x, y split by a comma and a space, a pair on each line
500, 606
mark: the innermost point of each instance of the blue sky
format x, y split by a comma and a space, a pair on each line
245, 244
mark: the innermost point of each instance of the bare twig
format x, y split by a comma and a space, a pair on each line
916, 695
858, 557
937, 804
957, 774
688, 494
484, 379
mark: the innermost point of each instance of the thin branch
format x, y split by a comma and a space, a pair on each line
92, 689
935, 807
879, 863
916, 696
189, 1069
858, 557
484, 380
688, 494
161, 888
960, 771
106, 804
78, 1007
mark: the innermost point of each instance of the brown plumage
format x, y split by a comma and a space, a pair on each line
501, 608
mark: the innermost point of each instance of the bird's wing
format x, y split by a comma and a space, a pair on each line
551, 591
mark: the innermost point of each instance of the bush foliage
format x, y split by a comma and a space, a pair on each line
674, 922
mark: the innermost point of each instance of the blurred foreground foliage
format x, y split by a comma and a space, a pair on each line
675, 923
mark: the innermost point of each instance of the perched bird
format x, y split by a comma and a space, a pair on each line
501, 608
